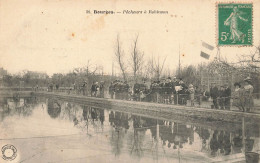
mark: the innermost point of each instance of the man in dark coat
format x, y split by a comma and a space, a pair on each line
136, 91
154, 91
214, 95
126, 90
227, 97
222, 97
102, 89
84, 88
94, 88
183, 94
169, 90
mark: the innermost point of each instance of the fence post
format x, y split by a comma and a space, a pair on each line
177, 98
200, 100
231, 103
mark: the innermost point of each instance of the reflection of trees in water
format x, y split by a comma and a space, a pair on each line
119, 120
173, 135
54, 108
74, 112
136, 142
85, 113
95, 117
82, 116
176, 134
120, 124
31, 101
117, 139
68, 111
136, 138
22, 107
204, 135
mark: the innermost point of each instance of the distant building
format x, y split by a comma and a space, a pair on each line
3, 72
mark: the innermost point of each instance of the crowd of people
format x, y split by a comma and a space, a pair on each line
242, 96
158, 91
172, 91
176, 91
96, 89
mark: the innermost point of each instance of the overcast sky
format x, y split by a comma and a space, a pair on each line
57, 35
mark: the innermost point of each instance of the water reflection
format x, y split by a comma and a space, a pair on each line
22, 107
54, 108
128, 136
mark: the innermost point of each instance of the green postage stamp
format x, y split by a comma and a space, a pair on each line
235, 24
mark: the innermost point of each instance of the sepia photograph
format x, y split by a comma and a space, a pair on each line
145, 81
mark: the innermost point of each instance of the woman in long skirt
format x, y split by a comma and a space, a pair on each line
248, 94
238, 100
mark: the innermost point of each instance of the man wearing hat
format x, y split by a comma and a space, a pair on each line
102, 89
227, 96
183, 95
214, 95
222, 97
94, 89
84, 88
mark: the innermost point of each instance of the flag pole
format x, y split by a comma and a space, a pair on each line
179, 61
112, 69
218, 54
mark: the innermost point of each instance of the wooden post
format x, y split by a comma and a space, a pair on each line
177, 98
208, 81
231, 87
243, 134
157, 140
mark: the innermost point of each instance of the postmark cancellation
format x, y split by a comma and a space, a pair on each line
9, 152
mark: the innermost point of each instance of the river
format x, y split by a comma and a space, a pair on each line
51, 130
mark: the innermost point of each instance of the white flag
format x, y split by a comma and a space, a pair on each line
206, 45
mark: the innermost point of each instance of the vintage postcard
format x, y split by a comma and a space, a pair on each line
165, 81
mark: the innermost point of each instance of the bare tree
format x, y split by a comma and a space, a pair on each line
137, 58
249, 63
156, 67
89, 69
119, 53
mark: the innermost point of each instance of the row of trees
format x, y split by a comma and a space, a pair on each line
134, 66
89, 74
134, 62
24, 78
